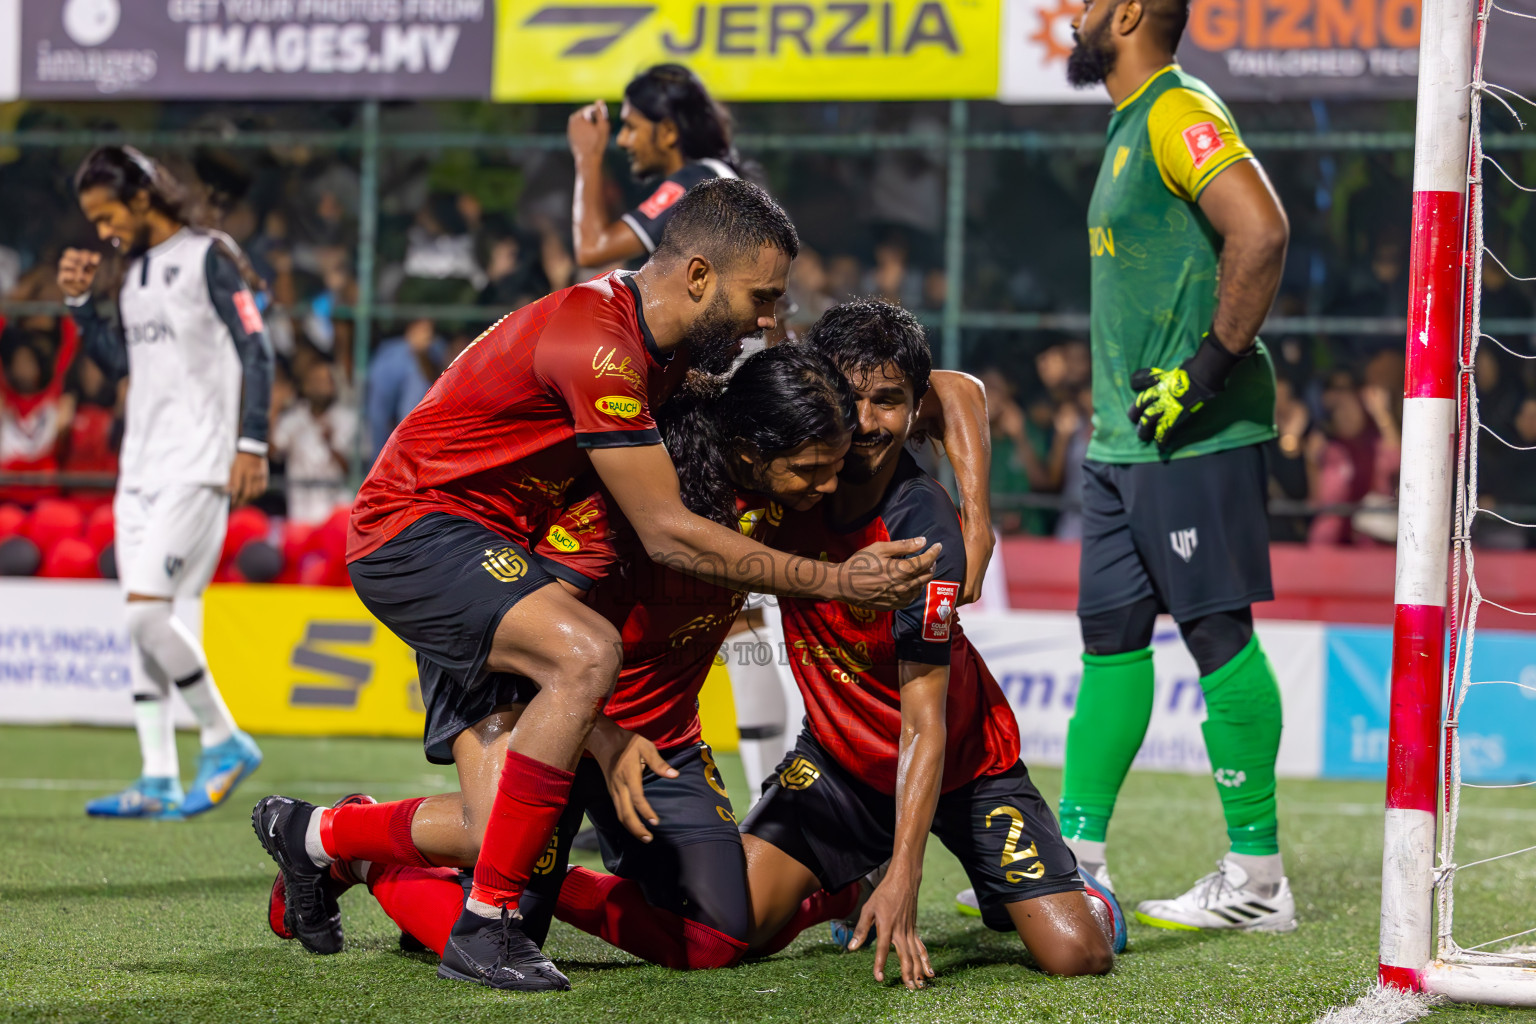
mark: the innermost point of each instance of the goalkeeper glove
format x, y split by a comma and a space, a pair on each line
1166, 399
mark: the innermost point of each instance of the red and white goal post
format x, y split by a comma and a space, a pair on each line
1437, 503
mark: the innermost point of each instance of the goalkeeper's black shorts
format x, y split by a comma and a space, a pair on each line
1192, 533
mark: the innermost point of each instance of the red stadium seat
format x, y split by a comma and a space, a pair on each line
71, 558
53, 521
245, 525
99, 528
13, 519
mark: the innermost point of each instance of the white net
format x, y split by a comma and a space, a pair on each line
1487, 852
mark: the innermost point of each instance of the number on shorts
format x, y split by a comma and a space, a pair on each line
1011, 852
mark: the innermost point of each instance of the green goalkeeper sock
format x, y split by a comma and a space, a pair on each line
1242, 737
1114, 705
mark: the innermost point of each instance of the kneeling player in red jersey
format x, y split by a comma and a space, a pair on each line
772, 440
907, 732
553, 400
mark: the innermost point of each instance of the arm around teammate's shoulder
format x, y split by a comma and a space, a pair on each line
955, 411
643, 483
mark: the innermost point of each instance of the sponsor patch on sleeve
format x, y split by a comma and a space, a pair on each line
250, 316
1203, 141
622, 406
939, 610
665, 195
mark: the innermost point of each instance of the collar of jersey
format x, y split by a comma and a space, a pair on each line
645, 329
1133, 97
170, 243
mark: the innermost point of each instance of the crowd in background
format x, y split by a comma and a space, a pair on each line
487, 232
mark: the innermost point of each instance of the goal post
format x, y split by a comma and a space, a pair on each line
1435, 326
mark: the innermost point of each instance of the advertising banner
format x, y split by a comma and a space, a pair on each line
255, 49
64, 653
1036, 659
309, 661
559, 50
10, 50
1498, 718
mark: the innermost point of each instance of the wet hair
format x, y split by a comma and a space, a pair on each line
776, 401
125, 172
726, 220
670, 92
863, 335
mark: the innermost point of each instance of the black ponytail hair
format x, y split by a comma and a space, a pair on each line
776, 401
126, 172
671, 92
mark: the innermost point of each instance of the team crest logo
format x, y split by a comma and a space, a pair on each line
1121, 155
505, 564
563, 541
1203, 142
669, 193
170, 275
799, 775
939, 610
1184, 543
546, 862
173, 564
622, 406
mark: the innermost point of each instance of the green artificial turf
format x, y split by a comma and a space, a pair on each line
124, 920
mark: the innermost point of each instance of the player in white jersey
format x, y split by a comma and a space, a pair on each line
190, 339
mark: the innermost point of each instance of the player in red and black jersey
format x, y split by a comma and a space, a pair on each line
670, 128
555, 394
906, 730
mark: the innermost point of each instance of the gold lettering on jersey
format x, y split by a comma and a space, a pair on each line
603, 364
622, 406
1101, 241
683, 635
582, 514
775, 513
1121, 155
505, 564
725, 815
551, 490
799, 775
840, 661
864, 615
712, 773
562, 541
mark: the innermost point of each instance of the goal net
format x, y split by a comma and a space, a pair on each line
1483, 950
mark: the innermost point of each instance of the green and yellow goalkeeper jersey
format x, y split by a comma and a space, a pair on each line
1154, 269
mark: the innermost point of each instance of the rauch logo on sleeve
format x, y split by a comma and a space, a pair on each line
622, 406
250, 317
669, 193
939, 610
1203, 142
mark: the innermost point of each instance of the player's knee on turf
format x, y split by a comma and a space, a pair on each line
1076, 953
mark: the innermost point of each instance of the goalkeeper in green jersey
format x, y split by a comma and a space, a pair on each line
1187, 240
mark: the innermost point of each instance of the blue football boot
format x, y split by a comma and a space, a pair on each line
146, 797
219, 771
1098, 887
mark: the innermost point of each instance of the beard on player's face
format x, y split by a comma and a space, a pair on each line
714, 338
1093, 58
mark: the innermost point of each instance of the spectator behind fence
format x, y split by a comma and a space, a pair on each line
1354, 461
316, 436
96, 432
1288, 472
35, 410
398, 378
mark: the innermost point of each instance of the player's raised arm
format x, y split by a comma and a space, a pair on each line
102, 339
644, 485
955, 411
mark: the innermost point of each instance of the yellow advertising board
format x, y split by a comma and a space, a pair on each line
559, 50
309, 661
312, 661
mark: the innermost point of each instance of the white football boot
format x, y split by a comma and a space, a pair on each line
1222, 900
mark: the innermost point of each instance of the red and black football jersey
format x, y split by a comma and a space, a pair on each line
649, 219
500, 437
672, 624
846, 660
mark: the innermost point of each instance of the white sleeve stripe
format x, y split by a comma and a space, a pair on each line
639, 231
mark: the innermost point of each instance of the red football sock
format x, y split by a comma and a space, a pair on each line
527, 808
374, 832
424, 902
615, 910
819, 906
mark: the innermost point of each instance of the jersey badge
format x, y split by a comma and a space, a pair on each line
1203, 142
560, 540
170, 274
1184, 542
939, 610
622, 406
799, 775
1121, 155
668, 193
173, 564
250, 316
